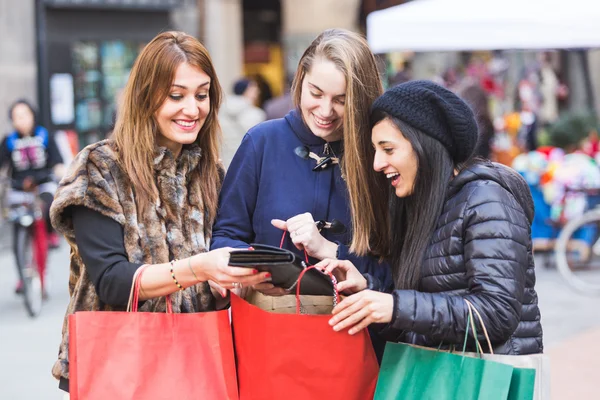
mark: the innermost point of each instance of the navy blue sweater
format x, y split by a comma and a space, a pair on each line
267, 180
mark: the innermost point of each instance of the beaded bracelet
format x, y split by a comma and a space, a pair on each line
172, 262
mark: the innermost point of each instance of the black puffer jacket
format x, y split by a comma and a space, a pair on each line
480, 251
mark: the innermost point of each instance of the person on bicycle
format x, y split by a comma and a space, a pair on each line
31, 154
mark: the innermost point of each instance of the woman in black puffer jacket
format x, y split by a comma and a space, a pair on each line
458, 228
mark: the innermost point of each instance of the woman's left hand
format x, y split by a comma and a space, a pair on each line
361, 310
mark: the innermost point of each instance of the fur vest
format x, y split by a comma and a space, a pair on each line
174, 228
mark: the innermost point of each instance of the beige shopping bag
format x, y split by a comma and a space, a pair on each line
317, 305
539, 362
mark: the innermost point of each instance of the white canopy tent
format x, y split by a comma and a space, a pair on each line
454, 25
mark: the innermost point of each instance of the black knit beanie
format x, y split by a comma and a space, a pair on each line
435, 111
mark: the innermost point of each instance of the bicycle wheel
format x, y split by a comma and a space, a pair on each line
28, 271
577, 252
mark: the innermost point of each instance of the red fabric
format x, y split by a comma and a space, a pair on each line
73, 141
288, 356
40, 247
545, 150
141, 355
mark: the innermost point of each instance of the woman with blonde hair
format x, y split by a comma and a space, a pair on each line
148, 196
290, 174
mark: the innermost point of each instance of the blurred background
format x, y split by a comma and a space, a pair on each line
530, 70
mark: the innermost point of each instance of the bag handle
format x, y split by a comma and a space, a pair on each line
472, 310
281, 247
134, 294
471, 325
336, 295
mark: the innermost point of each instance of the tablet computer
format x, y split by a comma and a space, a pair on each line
284, 267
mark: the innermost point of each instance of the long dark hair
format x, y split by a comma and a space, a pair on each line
413, 219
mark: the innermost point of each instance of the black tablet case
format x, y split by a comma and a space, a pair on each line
285, 267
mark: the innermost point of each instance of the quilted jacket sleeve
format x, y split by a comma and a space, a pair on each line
495, 252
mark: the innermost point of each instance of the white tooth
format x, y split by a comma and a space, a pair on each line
322, 122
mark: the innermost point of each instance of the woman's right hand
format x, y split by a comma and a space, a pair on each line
214, 266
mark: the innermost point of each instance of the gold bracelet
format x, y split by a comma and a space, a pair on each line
191, 269
172, 262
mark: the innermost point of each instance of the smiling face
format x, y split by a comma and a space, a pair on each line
394, 157
184, 110
322, 100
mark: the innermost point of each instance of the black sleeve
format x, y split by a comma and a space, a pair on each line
102, 248
4, 153
54, 156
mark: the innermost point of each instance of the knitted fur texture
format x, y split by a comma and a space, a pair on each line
173, 228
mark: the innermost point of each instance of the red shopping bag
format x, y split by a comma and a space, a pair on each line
293, 356
151, 356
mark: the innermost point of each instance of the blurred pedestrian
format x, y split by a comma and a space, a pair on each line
238, 114
458, 229
32, 155
404, 74
265, 93
279, 106
529, 100
149, 195
477, 99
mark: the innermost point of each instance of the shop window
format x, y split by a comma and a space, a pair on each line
101, 70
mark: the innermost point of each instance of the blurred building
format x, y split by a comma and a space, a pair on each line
18, 62
266, 38
73, 57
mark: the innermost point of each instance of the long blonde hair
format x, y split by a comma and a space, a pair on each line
350, 53
136, 129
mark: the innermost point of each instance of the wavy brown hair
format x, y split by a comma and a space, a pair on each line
350, 52
136, 128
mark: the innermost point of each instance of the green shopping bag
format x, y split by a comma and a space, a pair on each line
414, 372
410, 372
522, 384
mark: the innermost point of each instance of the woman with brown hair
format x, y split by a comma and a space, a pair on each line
290, 174
148, 196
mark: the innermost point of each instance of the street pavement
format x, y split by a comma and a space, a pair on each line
571, 323
28, 347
